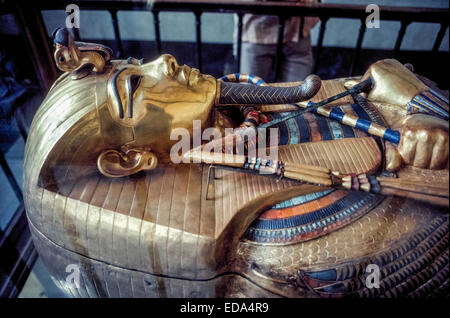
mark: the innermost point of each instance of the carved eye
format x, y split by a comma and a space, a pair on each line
172, 66
135, 80
133, 83
61, 59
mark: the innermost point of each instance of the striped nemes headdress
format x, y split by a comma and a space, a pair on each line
429, 102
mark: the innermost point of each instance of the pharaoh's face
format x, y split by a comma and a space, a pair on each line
157, 97
161, 85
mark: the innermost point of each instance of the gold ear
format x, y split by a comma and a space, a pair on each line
60, 59
409, 66
113, 163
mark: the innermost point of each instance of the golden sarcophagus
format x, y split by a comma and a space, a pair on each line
356, 202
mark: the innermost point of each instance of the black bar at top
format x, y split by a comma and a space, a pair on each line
302, 26
401, 34
279, 56
198, 32
75, 32
157, 30
362, 31
115, 23
239, 43
440, 36
323, 26
393, 13
10, 176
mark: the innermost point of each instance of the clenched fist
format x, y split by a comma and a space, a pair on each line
423, 143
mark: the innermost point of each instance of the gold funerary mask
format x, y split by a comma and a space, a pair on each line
119, 115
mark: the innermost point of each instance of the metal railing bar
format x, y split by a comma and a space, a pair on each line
33, 30
439, 37
280, 43
323, 26
115, 23
400, 36
288, 9
157, 30
239, 42
198, 37
75, 33
362, 31
302, 26
10, 176
16, 244
10, 232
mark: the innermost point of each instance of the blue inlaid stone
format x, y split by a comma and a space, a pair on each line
336, 129
328, 275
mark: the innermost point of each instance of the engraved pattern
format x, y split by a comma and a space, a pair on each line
409, 245
241, 94
155, 235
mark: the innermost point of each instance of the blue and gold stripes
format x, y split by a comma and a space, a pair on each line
429, 102
336, 130
243, 78
302, 199
293, 129
362, 122
314, 224
298, 219
300, 129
